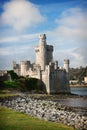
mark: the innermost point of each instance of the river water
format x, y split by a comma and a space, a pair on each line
79, 91
74, 102
78, 101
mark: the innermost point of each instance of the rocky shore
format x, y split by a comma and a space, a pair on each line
46, 109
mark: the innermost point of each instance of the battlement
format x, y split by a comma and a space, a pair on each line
42, 39
42, 36
66, 61
25, 62
66, 65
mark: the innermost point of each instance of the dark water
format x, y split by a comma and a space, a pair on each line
79, 91
76, 101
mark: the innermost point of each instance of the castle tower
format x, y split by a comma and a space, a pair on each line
41, 51
66, 65
44, 52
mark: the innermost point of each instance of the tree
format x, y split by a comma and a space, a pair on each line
13, 75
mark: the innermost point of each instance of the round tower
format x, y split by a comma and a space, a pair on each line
66, 65
41, 51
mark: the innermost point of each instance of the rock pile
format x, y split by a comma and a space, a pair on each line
47, 110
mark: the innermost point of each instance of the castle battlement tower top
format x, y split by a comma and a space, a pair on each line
66, 65
42, 39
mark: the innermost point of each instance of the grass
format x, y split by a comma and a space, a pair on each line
6, 93
12, 120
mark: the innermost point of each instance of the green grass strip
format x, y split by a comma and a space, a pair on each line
12, 120
7, 95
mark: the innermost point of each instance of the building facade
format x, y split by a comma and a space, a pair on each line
46, 69
85, 79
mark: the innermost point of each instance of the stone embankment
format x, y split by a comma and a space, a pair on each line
45, 109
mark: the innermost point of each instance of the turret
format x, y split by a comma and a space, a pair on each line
42, 39
44, 52
41, 51
66, 65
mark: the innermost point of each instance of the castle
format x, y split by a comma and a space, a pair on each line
46, 69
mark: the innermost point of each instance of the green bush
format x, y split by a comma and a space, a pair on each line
11, 84
13, 75
23, 84
30, 84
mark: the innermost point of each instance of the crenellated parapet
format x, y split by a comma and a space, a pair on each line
66, 65
42, 39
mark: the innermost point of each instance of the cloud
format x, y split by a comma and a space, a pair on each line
6, 51
71, 32
73, 17
72, 24
15, 53
69, 36
75, 55
19, 38
20, 14
78, 56
9, 39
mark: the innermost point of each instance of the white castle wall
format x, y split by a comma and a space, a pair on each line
35, 74
46, 79
85, 79
40, 56
24, 67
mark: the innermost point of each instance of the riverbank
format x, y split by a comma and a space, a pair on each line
78, 86
45, 107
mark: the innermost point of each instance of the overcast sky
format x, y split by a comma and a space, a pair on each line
63, 21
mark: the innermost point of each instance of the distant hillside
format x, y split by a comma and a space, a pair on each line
78, 73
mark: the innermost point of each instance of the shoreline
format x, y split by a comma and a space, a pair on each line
47, 109
78, 86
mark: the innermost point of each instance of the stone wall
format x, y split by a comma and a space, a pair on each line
45, 109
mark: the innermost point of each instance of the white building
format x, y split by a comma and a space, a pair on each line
46, 69
85, 79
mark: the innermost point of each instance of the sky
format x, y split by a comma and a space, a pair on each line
63, 21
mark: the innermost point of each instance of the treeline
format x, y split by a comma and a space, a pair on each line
21, 83
78, 73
